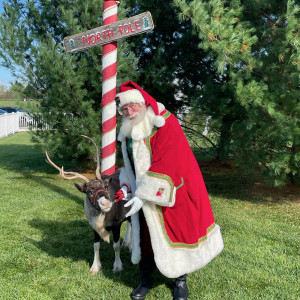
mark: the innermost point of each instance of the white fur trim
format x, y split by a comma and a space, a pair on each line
142, 159
174, 262
136, 249
130, 96
142, 155
148, 188
127, 177
124, 180
126, 174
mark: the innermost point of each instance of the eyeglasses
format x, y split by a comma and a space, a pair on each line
131, 106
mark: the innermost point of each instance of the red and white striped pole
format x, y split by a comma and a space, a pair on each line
109, 88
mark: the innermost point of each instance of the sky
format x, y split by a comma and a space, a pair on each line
5, 74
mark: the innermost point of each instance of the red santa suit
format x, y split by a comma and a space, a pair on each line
184, 236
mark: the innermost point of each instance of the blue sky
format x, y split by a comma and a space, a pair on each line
5, 74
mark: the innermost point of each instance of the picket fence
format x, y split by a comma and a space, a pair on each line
12, 123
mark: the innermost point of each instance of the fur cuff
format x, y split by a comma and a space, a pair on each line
157, 188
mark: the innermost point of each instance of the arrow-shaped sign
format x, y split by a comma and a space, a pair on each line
109, 33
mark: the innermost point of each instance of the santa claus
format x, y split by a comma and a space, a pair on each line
172, 220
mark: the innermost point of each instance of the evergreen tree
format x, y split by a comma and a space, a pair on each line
67, 86
171, 65
254, 101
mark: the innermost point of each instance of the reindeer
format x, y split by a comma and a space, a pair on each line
103, 213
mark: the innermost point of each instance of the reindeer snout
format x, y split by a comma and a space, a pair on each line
105, 204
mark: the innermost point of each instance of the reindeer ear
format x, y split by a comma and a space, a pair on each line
80, 187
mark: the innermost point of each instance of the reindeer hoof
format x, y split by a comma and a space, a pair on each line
117, 268
95, 269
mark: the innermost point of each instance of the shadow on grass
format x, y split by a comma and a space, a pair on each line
28, 163
44, 181
23, 158
63, 239
74, 240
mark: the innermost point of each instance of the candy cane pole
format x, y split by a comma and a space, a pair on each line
109, 88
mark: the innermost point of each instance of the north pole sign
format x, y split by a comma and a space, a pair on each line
109, 33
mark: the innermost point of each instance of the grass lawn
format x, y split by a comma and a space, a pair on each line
15, 102
7, 102
46, 244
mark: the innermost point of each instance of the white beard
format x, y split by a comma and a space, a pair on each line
140, 127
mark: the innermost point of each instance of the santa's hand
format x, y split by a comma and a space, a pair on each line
136, 203
122, 193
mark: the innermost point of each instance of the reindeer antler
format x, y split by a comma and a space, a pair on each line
98, 175
63, 173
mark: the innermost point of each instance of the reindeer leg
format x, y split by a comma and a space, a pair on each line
96, 267
127, 240
118, 266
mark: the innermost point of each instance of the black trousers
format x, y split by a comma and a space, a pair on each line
146, 247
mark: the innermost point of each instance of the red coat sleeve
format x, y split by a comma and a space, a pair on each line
168, 147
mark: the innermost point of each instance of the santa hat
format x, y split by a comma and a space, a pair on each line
130, 92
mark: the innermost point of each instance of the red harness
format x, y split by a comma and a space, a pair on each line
100, 190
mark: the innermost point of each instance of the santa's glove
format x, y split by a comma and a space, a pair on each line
122, 193
136, 203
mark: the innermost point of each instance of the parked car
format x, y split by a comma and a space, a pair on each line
21, 110
9, 109
2, 111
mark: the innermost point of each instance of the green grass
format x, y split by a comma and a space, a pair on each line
4, 102
46, 244
16, 102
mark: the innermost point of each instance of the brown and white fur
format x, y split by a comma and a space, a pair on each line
104, 216
102, 212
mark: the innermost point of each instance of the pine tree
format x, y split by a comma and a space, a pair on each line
254, 99
171, 64
67, 86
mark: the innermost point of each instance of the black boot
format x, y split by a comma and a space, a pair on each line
180, 288
146, 266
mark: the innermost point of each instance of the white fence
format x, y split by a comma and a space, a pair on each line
9, 124
26, 121
14, 122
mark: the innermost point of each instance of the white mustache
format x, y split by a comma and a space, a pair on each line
134, 115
